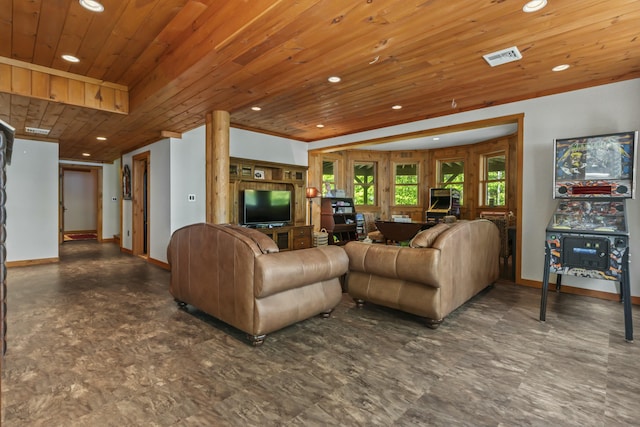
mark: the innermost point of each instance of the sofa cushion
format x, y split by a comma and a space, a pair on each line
264, 242
425, 238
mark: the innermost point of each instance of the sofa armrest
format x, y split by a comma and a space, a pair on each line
419, 265
280, 271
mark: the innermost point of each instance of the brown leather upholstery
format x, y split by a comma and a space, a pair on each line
234, 274
429, 282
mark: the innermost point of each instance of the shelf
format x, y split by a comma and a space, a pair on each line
338, 217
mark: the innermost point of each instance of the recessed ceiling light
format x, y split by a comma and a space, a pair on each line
86, 154
92, 5
70, 58
101, 138
256, 108
319, 125
560, 67
534, 6
396, 107
334, 79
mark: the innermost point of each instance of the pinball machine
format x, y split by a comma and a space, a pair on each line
587, 235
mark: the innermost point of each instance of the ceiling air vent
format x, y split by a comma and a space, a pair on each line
503, 56
37, 131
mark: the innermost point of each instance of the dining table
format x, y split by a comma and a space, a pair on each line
396, 231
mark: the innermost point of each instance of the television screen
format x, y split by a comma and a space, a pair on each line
266, 206
595, 166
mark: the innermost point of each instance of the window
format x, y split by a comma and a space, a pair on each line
405, 189
451, 175
493, 186
328, 178
364, 184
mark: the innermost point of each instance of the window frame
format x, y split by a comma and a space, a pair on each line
373, 184
439, 178
484, 181
395, 185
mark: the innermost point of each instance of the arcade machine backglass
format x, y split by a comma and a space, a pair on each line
443, 202
587, 235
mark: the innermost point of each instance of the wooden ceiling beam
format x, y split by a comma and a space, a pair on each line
35, 81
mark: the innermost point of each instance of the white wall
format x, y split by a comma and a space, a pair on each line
608, 108
111, 195
32, 201
250, 145
188, 176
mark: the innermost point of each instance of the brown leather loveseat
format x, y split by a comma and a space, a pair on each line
238, 275
443, 268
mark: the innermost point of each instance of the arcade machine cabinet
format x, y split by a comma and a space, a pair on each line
443, 202
587, 235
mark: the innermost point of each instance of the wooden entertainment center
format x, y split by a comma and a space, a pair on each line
245, 174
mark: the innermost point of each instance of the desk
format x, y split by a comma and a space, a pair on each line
401, 231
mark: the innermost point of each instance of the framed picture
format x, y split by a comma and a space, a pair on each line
258, 174
126, 183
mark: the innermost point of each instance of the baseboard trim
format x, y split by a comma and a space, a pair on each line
159, 263
28, 262
565, 289
126, 251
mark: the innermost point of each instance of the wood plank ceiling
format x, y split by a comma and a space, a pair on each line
180, 59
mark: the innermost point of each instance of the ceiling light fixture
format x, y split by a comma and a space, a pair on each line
334, 79
101, 138
534, 6
86, 154
396, 107
256, 108
436, 138
560, 67
70, 58
92, 5
320, 126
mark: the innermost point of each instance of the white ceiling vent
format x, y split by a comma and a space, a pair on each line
37, 131
503, 56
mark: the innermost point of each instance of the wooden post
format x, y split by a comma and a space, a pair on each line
217, 167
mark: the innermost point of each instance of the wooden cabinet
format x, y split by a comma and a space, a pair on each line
291, 237
247, 174
338, 217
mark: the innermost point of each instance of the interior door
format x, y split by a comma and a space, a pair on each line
141, 211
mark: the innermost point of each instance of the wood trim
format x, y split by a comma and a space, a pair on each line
30, 262
565, 289
126, 250
423, 133
158, 263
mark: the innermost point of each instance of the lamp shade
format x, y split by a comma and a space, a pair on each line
312, 192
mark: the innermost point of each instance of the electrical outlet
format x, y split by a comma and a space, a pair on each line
191, 197
114, 199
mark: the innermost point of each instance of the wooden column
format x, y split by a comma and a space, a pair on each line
217, 164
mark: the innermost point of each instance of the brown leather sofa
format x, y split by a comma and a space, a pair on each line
443, 267
238, 275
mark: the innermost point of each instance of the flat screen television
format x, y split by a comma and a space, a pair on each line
266, 207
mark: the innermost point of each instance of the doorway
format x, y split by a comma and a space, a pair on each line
80, 203
140, 191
